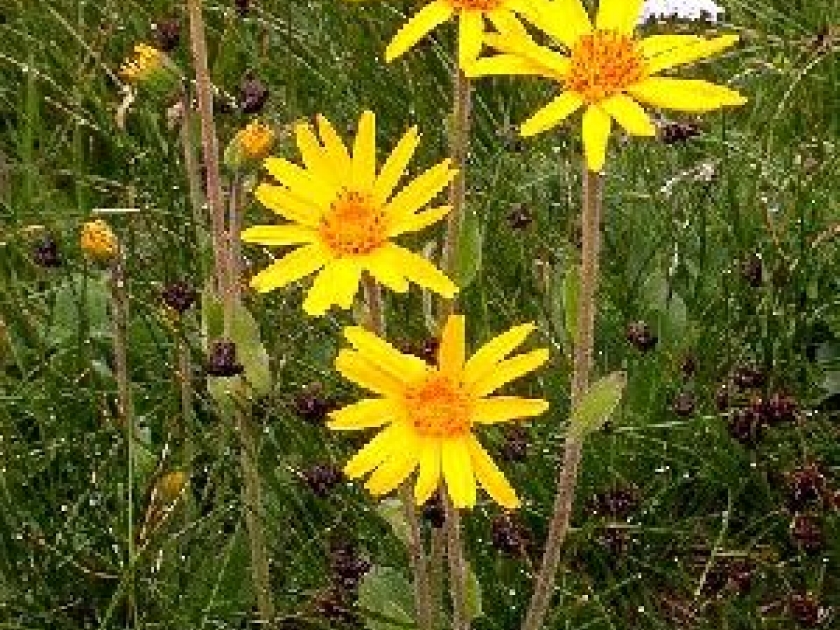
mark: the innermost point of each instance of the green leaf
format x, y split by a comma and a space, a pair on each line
468, 263
81, 305
250, 351
386, 598
571, 298
597, 405
474, 608
393, 513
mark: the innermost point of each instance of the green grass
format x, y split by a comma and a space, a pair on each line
672, 257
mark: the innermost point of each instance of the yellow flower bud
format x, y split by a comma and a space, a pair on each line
150, 68
98, 240
250, 145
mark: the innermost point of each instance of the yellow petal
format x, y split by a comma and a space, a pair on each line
552, 114
393, 471
490, 477
368, 413
695, 51
487, 356
654, 45
293, 266
514, 39
364, 153
381, 265
419, 221
503, 65
510, 370
564, 20
618, 15
374, 452
457, 472
420, 191
453, 346
314, 156
687, 95
505, 408
352, 366
379, 352
334, 145
301, 183
419, 270
394, 167
278, 235
337, 283
428, 479
470, 36
596, 135
417, 27
629, 114
287, 205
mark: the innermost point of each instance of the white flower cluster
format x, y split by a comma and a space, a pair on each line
682, 9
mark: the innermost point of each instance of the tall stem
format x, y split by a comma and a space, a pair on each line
416, 548
459, 147
209, 141
119, 305
457, 566
583, 360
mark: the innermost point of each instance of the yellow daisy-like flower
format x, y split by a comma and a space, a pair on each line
150, 68
345, 216
605, 69
429, 412
471, 15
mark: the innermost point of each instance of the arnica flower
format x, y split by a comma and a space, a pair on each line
98, 241
429, 412
471, 15
249, 146
150, 68
605, 69
345, 216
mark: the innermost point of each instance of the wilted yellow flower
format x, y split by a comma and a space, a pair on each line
150, 68
344, 216
429, 412
471, 15
605, 69
249, 145
98, 240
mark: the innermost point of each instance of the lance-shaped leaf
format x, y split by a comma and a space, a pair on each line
598, 405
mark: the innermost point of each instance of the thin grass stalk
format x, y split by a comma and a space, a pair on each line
209, 141
192, 168
125, 410
416, 546
183, 374
582, 368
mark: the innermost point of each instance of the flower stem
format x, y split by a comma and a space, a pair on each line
119, 306
416, 547
459, 140
209, 142
436, 557
582, 368
457, 566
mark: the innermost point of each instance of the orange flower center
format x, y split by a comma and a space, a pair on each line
353, 225
438, 407
475, 5
604, 63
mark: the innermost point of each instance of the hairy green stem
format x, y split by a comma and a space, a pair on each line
457, 566
582, 368
125, 405
416, 547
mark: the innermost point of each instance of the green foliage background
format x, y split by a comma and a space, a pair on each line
674, 248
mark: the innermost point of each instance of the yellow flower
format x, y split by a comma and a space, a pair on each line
150, 68
345, 216
605, 69
98, 241
471, 14
428, 412
249, 145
